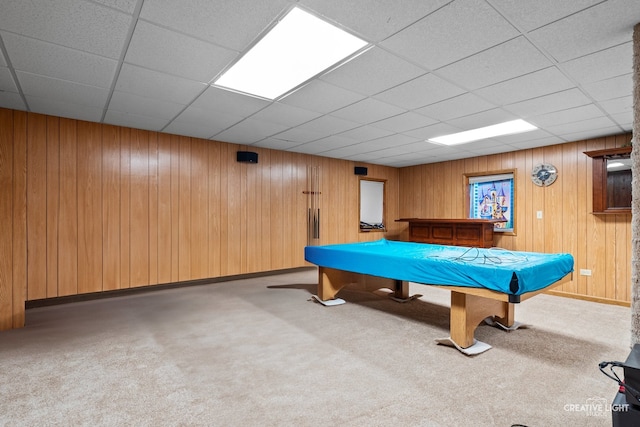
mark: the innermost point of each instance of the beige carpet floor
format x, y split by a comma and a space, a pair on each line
258, 352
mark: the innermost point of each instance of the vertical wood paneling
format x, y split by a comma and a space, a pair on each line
175, 208
53, 198
125, 208
139, 261
101, 207
583, 210
153, 208
89, 207
301, 221
111, 273
68, 217
214, 208
265, 210
254, 206
184, 210
554, 198
233, 196
199, 210
20, 283
37, 202
569, 205
6, 215
277, 210
164, 208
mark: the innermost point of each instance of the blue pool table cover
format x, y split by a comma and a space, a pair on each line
430, 264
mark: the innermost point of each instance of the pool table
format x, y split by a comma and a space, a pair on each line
484, 283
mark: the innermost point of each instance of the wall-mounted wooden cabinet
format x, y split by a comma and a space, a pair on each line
611, 180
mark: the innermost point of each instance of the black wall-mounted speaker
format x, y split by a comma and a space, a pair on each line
247, 157
359, 170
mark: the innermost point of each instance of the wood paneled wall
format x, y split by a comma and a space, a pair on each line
87, 207
600, 243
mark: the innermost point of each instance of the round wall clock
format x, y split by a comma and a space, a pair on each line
544, 174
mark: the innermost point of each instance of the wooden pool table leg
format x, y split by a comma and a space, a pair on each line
467, 311
331, 281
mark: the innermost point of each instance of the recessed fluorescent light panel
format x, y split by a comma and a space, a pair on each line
299, 47
506, 128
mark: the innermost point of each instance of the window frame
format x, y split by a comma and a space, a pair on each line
509, 175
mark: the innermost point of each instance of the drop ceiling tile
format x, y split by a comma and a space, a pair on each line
433, 131
214, 121
6, 81
232, 24
503, 62
404, 122
588, 31
276, 144
611, 88
364, 133
154, 84
486, 151
374, 23
139, 105
344, 152
484, 118
618, 105
55, 107
249, 131
367, 111
528, 16
589, 134
229, 102
119, 118
424, 90
285, 115
624, 120
328, 125
601, 65
535, 143
584, 112
582, 126
299, 136
549, 103
196, 130
532, 85
325, 144
76, 24
12, 100
127, 6
47, 59
321, 97
177, 54
458, 106
390, 141
62, 90
534, 135
458, 30
372, 72
422, 146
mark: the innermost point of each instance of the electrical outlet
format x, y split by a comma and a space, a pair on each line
539, 214
584, 272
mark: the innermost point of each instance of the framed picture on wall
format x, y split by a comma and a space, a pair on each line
492, 196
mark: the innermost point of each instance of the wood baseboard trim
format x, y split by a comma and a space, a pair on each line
45, 302
589, 298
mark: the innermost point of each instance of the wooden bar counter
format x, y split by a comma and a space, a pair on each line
455, 232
